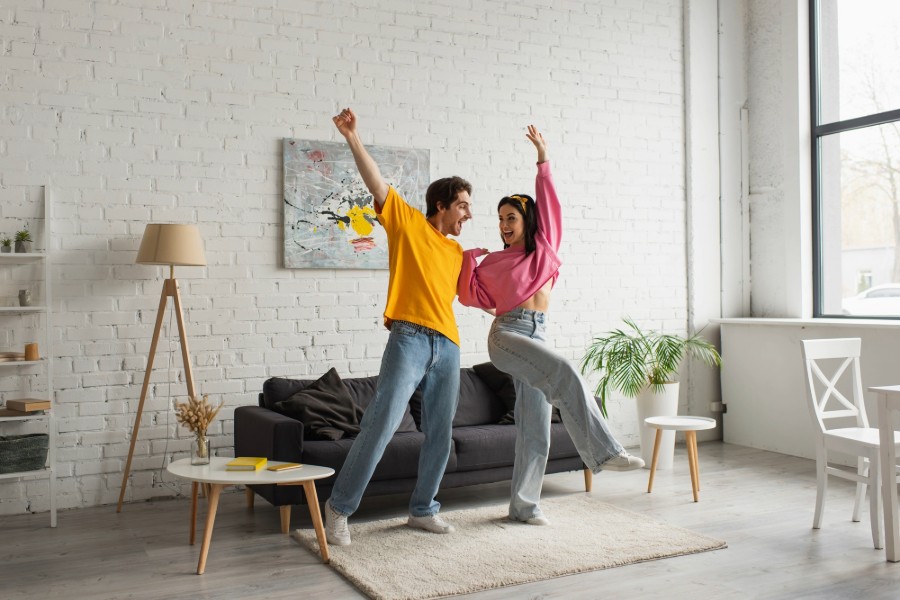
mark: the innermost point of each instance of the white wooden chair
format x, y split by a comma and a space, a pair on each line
840, 357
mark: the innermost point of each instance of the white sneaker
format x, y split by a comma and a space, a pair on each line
432, 523
623, 462
336, 531
538, 520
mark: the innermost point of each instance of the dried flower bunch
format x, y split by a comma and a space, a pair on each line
196, 414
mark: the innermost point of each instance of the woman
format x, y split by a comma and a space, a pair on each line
517, 282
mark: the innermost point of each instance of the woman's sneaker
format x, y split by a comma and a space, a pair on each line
622, 462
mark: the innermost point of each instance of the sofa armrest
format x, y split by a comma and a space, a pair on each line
259, 431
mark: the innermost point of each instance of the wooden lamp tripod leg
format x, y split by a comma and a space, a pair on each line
185, 353
137, 417
170, 288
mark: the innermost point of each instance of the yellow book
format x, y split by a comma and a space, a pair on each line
246, 463
284, 467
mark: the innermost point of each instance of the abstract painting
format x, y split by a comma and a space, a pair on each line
329, 214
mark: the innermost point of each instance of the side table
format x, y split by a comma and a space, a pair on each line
218, 477
690, 426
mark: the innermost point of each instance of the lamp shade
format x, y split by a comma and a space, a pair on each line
171, 244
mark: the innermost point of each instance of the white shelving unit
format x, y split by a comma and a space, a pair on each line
13, 319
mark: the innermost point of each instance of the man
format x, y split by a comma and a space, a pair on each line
423, 347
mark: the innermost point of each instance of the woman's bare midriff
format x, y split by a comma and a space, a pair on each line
540, 301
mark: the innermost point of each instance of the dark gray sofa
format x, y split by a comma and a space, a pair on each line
482, 448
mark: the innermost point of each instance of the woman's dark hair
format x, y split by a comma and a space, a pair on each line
442, 192
524, 204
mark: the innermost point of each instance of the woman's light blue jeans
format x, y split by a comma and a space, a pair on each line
517, 346
413, 355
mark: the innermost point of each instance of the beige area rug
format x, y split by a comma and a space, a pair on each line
390, 561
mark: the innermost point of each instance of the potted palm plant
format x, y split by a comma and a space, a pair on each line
6, 245
643, 365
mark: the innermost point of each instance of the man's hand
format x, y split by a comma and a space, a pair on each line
345, 122
538, 140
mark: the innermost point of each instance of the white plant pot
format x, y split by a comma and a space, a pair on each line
652, 404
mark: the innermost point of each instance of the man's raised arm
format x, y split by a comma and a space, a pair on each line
368, 169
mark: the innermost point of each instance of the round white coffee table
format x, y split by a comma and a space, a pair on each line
690, 426
218, 477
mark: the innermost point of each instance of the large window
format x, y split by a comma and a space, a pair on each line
855, 50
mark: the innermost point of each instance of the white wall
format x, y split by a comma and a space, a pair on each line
764, 378
779, 159
145, 112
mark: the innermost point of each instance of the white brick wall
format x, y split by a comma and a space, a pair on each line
149, 112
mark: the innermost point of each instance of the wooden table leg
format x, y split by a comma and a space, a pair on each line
214, 490
887, 463
195, 488
309, 488
249, 498
588, 479
285, 512
691, 448
655, 459
696, 458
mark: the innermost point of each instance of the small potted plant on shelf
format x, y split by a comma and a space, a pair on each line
643, 365
6, 245
23, 241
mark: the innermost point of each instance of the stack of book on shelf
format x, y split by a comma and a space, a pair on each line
24, 407
246, 463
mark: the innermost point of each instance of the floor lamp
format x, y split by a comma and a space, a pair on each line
165, 244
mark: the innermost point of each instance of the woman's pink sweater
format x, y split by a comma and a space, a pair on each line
507, 278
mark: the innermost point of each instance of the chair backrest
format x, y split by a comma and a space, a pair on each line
831, 363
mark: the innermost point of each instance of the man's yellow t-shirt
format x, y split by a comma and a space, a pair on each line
424, 267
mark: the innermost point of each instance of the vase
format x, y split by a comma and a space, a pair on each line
5, 249
23, 247
657, 404
24, 297
200, 451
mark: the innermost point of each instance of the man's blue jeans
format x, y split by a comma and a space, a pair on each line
413, 355
517, 345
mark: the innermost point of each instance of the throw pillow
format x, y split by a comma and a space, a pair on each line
325, 408
502, 385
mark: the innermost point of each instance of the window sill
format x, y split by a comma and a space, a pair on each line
822, 322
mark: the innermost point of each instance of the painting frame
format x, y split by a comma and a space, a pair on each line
329, 215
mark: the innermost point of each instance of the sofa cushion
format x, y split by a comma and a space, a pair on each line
478, 405
484, 446
276, 389
324, 407
400, 459
362, 390
502, 385
488, 446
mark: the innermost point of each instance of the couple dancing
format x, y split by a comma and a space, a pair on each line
427, 270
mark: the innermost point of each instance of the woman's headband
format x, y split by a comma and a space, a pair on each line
522, 201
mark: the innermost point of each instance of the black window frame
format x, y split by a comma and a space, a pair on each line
819, 131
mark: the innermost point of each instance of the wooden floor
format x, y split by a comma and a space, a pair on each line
761, 503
